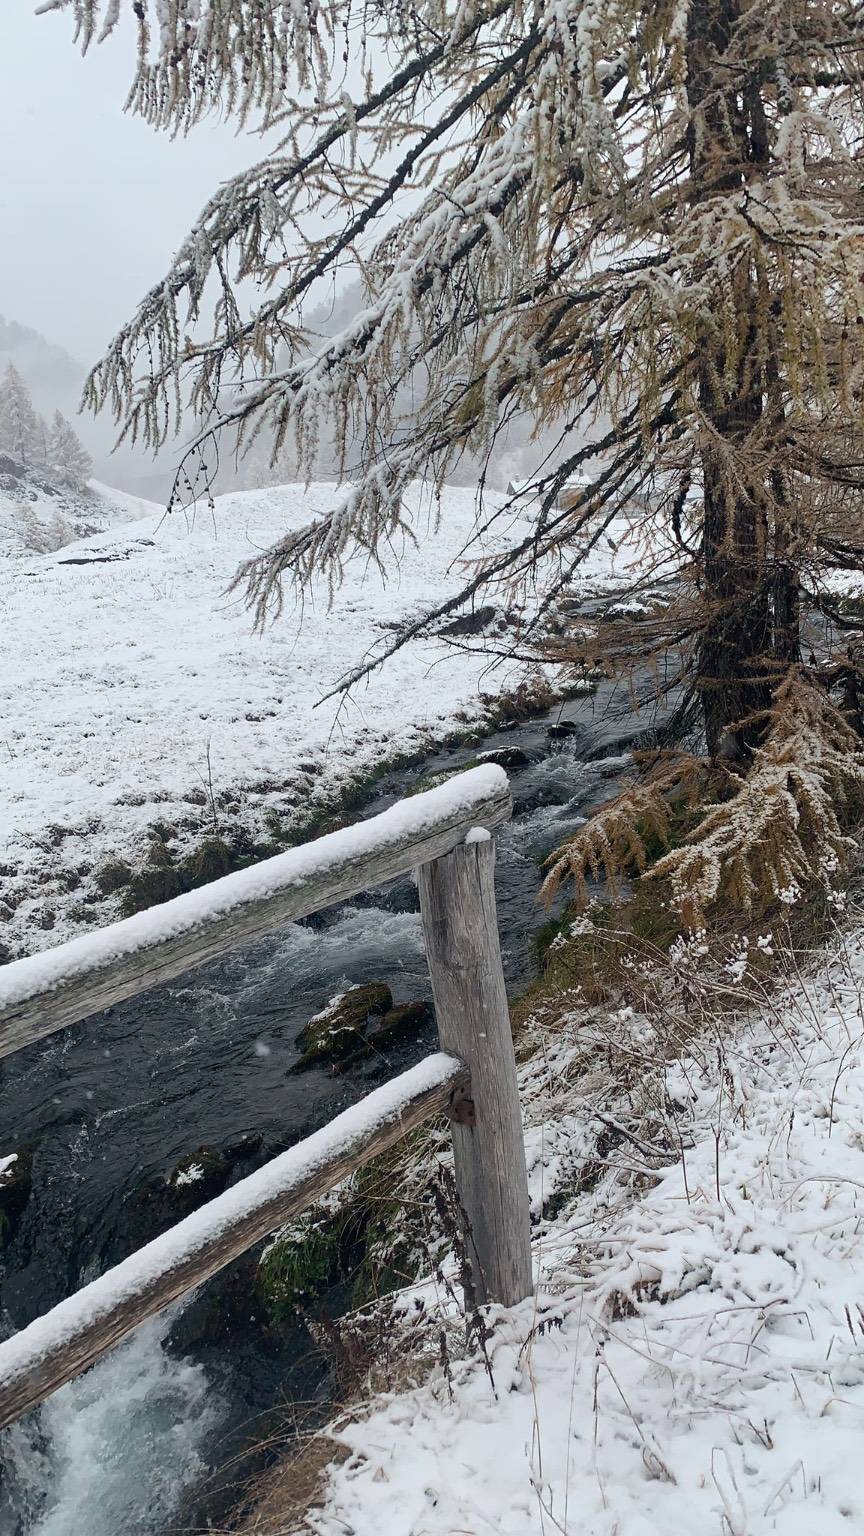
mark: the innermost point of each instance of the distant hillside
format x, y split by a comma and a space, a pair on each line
53, 376
55, 380
38, 516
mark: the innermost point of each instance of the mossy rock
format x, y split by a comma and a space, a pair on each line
399, 1023
198, 1177
228, 1306
340, 1029
16, 1184
502, 757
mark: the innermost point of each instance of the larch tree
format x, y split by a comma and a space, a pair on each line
22, 430
639, 224
67, 456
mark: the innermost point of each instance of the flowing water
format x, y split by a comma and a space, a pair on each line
111, 1105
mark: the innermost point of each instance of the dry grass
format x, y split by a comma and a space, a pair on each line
615, 1002
278, 1503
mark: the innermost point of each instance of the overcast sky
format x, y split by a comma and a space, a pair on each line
92, 202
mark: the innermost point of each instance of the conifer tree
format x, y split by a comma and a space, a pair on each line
22, 430
639, 224
67, 456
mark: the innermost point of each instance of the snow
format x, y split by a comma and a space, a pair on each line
190, 1175
37, 515
343, 1137
134, 690
693, 1358
6, 1163
410, 820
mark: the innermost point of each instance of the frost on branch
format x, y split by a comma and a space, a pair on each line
615, 842
197, 54
784, 827
636, 227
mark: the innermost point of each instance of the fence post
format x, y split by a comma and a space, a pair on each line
460, 928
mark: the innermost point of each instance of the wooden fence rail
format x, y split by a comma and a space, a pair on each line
74, 1334
443, 834
60, 986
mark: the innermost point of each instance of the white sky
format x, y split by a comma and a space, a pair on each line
93, 203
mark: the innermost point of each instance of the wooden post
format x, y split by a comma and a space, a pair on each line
460, 927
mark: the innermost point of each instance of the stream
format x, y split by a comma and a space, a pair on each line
111, 1105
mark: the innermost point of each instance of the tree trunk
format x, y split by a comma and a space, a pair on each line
733, 657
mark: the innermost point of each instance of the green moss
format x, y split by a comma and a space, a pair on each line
299, 1268
367, 1243
276, 828
544, 937
339, 1030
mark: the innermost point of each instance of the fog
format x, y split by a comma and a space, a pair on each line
93, 202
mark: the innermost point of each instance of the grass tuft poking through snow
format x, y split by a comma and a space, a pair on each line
693, 1358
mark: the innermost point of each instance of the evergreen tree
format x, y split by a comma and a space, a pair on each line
638, 224
67, 456
22, 431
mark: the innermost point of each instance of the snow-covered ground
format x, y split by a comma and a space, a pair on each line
38, 515
693, 1359
133, 688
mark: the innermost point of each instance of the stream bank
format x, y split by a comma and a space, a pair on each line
110, 1107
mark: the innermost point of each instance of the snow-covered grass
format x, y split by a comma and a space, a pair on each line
693, 1357
134, 690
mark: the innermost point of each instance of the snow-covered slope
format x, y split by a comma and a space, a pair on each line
693, 1359
133, 689
38, 515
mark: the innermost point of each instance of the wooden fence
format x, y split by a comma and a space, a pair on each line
445, 836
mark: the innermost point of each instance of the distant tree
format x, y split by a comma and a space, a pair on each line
640, 224
67, 456
22, 430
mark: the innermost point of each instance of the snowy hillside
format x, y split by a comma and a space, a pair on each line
38, 515
134, 691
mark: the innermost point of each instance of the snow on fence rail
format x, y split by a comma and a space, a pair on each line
45, 992
74, 1334
445, 835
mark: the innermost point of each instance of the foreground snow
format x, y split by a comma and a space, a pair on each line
694, 1358
133, 689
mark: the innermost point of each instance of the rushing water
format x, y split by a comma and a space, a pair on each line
111, 1105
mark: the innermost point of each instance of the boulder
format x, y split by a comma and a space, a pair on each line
340, 1029
398, 1023
198, 1177
504, 757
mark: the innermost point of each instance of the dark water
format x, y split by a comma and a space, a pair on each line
116, 1101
